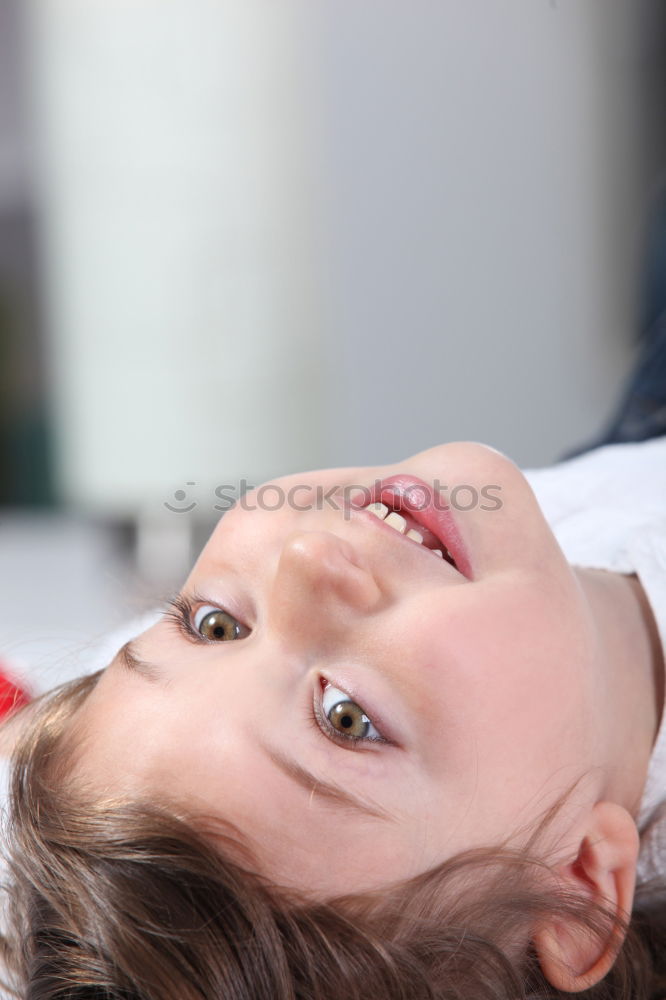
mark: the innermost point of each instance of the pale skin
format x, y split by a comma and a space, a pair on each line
486, 696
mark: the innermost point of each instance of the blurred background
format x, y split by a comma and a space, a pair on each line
241, 238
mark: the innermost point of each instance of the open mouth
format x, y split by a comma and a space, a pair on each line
405, 525
421, 514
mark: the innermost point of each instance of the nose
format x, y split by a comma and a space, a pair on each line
320, 585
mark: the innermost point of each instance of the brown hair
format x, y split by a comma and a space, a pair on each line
129, 901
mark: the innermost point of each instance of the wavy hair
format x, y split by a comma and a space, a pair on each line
129, 900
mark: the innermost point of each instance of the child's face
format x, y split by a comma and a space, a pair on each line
482, 686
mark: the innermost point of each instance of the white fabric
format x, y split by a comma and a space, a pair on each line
608, 511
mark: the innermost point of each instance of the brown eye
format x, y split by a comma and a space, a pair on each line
219, 626
346, 717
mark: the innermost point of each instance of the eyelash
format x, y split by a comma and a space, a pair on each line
179, 612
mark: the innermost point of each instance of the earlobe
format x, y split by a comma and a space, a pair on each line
573, 957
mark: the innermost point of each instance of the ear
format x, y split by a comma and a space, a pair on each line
603, 870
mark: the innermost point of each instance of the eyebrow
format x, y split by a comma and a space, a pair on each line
129, 659
312, 784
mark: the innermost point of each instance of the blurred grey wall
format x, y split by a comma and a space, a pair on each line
13, 141
489, 166
296, 234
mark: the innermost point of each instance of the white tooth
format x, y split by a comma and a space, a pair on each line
412, 533
380, 510
396, 521
437, 552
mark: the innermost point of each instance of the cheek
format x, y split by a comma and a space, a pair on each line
507, 681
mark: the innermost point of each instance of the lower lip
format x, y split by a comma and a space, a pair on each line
424, 506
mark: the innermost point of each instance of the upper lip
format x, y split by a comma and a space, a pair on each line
425, 506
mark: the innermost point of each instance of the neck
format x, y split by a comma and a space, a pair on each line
632, 677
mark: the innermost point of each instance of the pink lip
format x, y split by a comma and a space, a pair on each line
425, 506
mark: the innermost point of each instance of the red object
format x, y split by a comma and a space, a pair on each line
11, 695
